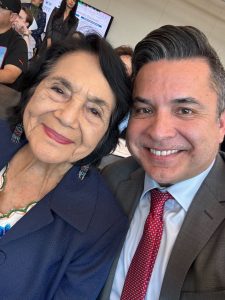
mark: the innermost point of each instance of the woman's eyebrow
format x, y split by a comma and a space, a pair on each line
93, 99
100, 102
63, 81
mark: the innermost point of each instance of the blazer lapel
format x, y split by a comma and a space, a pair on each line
203, 218
35, 219
128, 195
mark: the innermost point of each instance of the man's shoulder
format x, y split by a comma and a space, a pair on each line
11, 37
17, 37
126, 165
120, 170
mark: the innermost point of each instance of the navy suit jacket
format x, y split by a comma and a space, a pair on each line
64, 246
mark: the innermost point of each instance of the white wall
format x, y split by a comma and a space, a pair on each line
133, 19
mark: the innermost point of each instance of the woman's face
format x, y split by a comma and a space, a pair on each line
70, 3
70, 110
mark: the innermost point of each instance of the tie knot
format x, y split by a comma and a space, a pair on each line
158, 200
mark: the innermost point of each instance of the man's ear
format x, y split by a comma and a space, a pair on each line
222, 126
13, 17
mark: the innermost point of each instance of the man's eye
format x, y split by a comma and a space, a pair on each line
138, 111
185, 111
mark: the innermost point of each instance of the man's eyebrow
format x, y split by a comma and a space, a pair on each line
183, 100
186, 100
141, 100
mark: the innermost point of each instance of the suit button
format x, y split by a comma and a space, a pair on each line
2, 257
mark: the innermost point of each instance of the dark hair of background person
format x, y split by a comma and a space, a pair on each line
124, 50
78, 35
59, 13
113, 70
180, 42
29, 16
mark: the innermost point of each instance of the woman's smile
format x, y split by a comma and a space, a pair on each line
52, 134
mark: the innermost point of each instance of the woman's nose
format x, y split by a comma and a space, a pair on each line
69, 114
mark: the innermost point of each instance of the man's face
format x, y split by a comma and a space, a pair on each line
19, 22
5, 17
174, 130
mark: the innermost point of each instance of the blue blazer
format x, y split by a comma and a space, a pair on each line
64, 246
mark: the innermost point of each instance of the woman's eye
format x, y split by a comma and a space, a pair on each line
57, 89
95, 112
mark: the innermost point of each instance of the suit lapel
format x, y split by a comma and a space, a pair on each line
128, 194
35, 219
203, 218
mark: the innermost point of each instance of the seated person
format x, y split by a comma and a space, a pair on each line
125, 53
22, 24
13, 48
40, 17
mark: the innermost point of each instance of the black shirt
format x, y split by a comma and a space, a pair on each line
16, 53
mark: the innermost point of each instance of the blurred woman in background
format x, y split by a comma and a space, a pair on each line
62, 22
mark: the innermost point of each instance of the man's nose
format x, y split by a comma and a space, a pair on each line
162, 126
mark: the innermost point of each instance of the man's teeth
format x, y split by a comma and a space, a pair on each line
163, 153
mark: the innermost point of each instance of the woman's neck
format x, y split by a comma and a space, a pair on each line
67, 12
24, 162
29, 180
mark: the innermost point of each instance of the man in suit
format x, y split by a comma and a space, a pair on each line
175, 129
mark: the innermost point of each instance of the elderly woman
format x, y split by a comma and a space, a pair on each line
60, 225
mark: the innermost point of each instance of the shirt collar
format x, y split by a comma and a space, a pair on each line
183, 192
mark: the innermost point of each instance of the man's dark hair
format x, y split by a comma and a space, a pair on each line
181, 42
112, 69
29, 16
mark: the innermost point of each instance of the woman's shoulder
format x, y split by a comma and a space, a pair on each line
4, 128
55, 9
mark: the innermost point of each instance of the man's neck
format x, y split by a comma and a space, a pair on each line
5, 29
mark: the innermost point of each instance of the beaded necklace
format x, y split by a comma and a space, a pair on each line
3, 178
3, 181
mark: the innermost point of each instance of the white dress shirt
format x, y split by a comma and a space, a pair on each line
174, 213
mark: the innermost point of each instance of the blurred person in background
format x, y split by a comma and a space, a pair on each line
125, 53
62, 22
13, 48
121, 151
21, 24
40, 17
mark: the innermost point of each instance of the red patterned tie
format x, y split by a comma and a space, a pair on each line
140, 270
